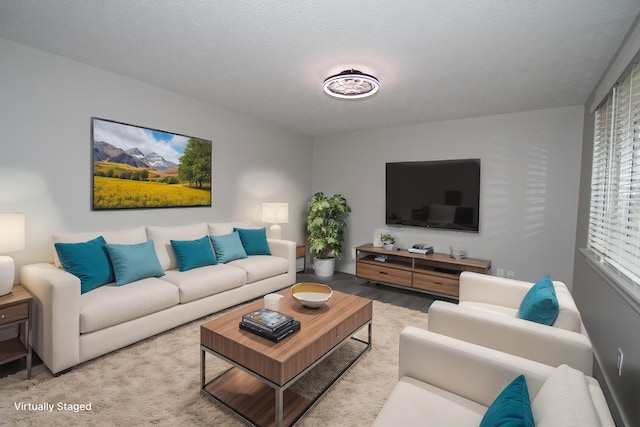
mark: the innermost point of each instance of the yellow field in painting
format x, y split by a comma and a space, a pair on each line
114, 193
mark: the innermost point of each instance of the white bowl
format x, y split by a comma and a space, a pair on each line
311, 295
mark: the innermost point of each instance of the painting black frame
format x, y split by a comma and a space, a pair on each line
126, 177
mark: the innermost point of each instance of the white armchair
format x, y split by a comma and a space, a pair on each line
487, 315
444, 382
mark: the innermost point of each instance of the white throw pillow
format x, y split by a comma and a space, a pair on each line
564, 401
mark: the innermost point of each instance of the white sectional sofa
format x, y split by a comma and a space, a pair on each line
71, 327
447, 382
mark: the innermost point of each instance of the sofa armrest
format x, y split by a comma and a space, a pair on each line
474, 372
285, 249
492, 290
545, 344
56, 314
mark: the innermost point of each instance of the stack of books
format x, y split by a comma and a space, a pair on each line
269, 324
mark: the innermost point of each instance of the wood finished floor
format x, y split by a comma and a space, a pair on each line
339, 281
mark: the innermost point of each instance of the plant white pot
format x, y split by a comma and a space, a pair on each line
388, 246
324, 267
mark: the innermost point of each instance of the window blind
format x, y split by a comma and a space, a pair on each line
614, 215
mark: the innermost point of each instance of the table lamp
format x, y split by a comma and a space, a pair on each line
275, 213
12, 238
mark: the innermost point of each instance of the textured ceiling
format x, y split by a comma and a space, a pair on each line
435, 59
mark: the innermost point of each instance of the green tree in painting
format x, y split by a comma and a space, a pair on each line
195, 163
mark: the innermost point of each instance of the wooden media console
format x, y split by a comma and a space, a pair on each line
435, 273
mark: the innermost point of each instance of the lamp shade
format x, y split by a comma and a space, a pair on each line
275, 213
12, 232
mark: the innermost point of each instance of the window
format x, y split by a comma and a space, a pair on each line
614, 217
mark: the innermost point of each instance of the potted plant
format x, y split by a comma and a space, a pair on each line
387, 240
325, 224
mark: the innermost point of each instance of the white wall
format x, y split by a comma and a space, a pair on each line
45, 171
530, 171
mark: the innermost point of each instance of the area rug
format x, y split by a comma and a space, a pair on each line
157, 382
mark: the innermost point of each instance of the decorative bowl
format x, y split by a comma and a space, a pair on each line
311, 295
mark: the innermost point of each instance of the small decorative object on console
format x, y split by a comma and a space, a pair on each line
311, 295
387, 240
421, 248
381, 258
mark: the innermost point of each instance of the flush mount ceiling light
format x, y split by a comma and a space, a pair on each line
351, 84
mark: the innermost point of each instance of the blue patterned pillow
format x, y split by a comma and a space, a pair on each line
512, 407
254, 240
193, 253
134, 262
228, 247
88, 261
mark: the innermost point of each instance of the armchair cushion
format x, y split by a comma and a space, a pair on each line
565, 399
512, 407
540, 304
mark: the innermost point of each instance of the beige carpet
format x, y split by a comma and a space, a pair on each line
157, 382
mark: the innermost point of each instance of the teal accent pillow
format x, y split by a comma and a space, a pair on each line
228, 247
134, 262
512, 407
88, 261
193, 253
254, 240
540, 304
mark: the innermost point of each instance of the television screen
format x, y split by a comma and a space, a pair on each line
437, 194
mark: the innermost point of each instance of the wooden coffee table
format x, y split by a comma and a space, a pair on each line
256, 386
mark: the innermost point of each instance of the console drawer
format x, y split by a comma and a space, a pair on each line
433, 283
383, 273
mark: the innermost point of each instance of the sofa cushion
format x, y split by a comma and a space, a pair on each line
228, 247
221, 228
126, 236
110, 305
260, 267
512, 407
87, 260
205, 281
254, 240
540, 304
414, 403
193, 253
134, 262
568, 314
564, 400
162, 236
490, 308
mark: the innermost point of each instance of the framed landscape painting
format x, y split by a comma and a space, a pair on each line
136, 167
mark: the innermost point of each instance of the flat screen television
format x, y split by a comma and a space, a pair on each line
443, 194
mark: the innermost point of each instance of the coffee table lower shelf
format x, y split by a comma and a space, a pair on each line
262, 402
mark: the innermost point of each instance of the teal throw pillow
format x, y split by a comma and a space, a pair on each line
134, 262
228, 247
540, 304
254, 240
88, 261
193, 253
512, 407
